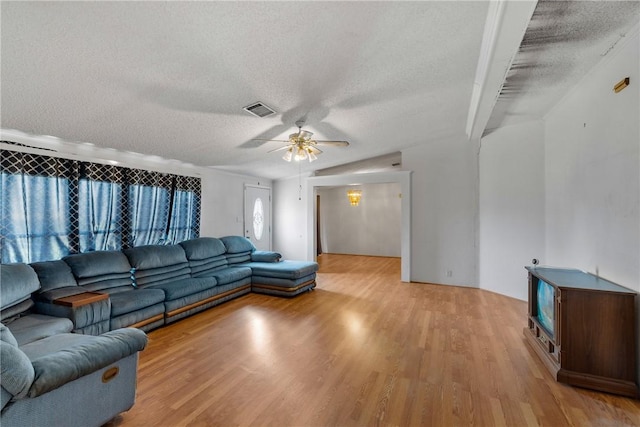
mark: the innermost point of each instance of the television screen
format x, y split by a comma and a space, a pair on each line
546, 306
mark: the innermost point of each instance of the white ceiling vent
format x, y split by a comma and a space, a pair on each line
259, 109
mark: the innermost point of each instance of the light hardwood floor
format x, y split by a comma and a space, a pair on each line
363, 349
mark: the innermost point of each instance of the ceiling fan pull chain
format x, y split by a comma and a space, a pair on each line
299, 181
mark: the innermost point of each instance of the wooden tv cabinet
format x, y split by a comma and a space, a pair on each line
593, 344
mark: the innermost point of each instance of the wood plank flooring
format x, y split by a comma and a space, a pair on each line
363, 349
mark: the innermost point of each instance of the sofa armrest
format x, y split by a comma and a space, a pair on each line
16, 371
55, 369
265, 256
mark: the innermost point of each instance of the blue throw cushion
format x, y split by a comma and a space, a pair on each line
18, 282
237, 244
265, 256
203, 248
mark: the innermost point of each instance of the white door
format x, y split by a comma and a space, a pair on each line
257, 216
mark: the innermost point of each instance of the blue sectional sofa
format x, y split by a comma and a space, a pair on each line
51, 376
149, 286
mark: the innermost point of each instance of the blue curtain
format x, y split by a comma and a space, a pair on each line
35, 217
185, 214
149, 211
52, 207
100, 215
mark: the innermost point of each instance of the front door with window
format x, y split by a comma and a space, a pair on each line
257, 216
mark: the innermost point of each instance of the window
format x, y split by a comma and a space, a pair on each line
52, 207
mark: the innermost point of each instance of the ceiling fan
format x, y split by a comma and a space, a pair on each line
300, 146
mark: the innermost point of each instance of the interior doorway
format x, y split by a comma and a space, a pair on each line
369, 226
401, 177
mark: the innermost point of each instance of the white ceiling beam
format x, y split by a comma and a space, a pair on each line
506, 23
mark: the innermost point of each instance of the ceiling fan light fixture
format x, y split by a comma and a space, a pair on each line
301, 154
312, 156
288, 155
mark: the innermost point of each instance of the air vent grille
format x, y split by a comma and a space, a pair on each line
259, 109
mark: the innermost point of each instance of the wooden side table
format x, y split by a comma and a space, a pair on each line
81, 299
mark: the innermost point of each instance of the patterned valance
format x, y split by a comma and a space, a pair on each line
53, 206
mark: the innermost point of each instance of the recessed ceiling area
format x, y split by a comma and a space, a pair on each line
171, 79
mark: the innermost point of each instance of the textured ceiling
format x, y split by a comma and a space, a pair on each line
171, 78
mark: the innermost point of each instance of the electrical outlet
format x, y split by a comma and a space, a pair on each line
449, 273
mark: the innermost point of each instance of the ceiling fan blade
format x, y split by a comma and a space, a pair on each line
315, 149
270, 140
265, 136
279, 149
333, 143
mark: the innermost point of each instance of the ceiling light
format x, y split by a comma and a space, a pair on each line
287, 156
354, 197
301, 154
621, 85
312, 156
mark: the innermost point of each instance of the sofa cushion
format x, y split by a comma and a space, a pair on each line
265, 256
16, 310
34, 327
144, 315
7, 336
157, 264
18, 282
136, 299
230, 274
16, 370
206, 266
155, 256
162, 274
237, 244
99, 270
238, 258
184, 287
203, 248
287, 269
54, 275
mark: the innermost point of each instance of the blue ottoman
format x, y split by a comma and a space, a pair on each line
285, 278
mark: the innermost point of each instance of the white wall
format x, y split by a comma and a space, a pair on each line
444, 211
371, 228
512, 212
290, 219
222, 211
592, 164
